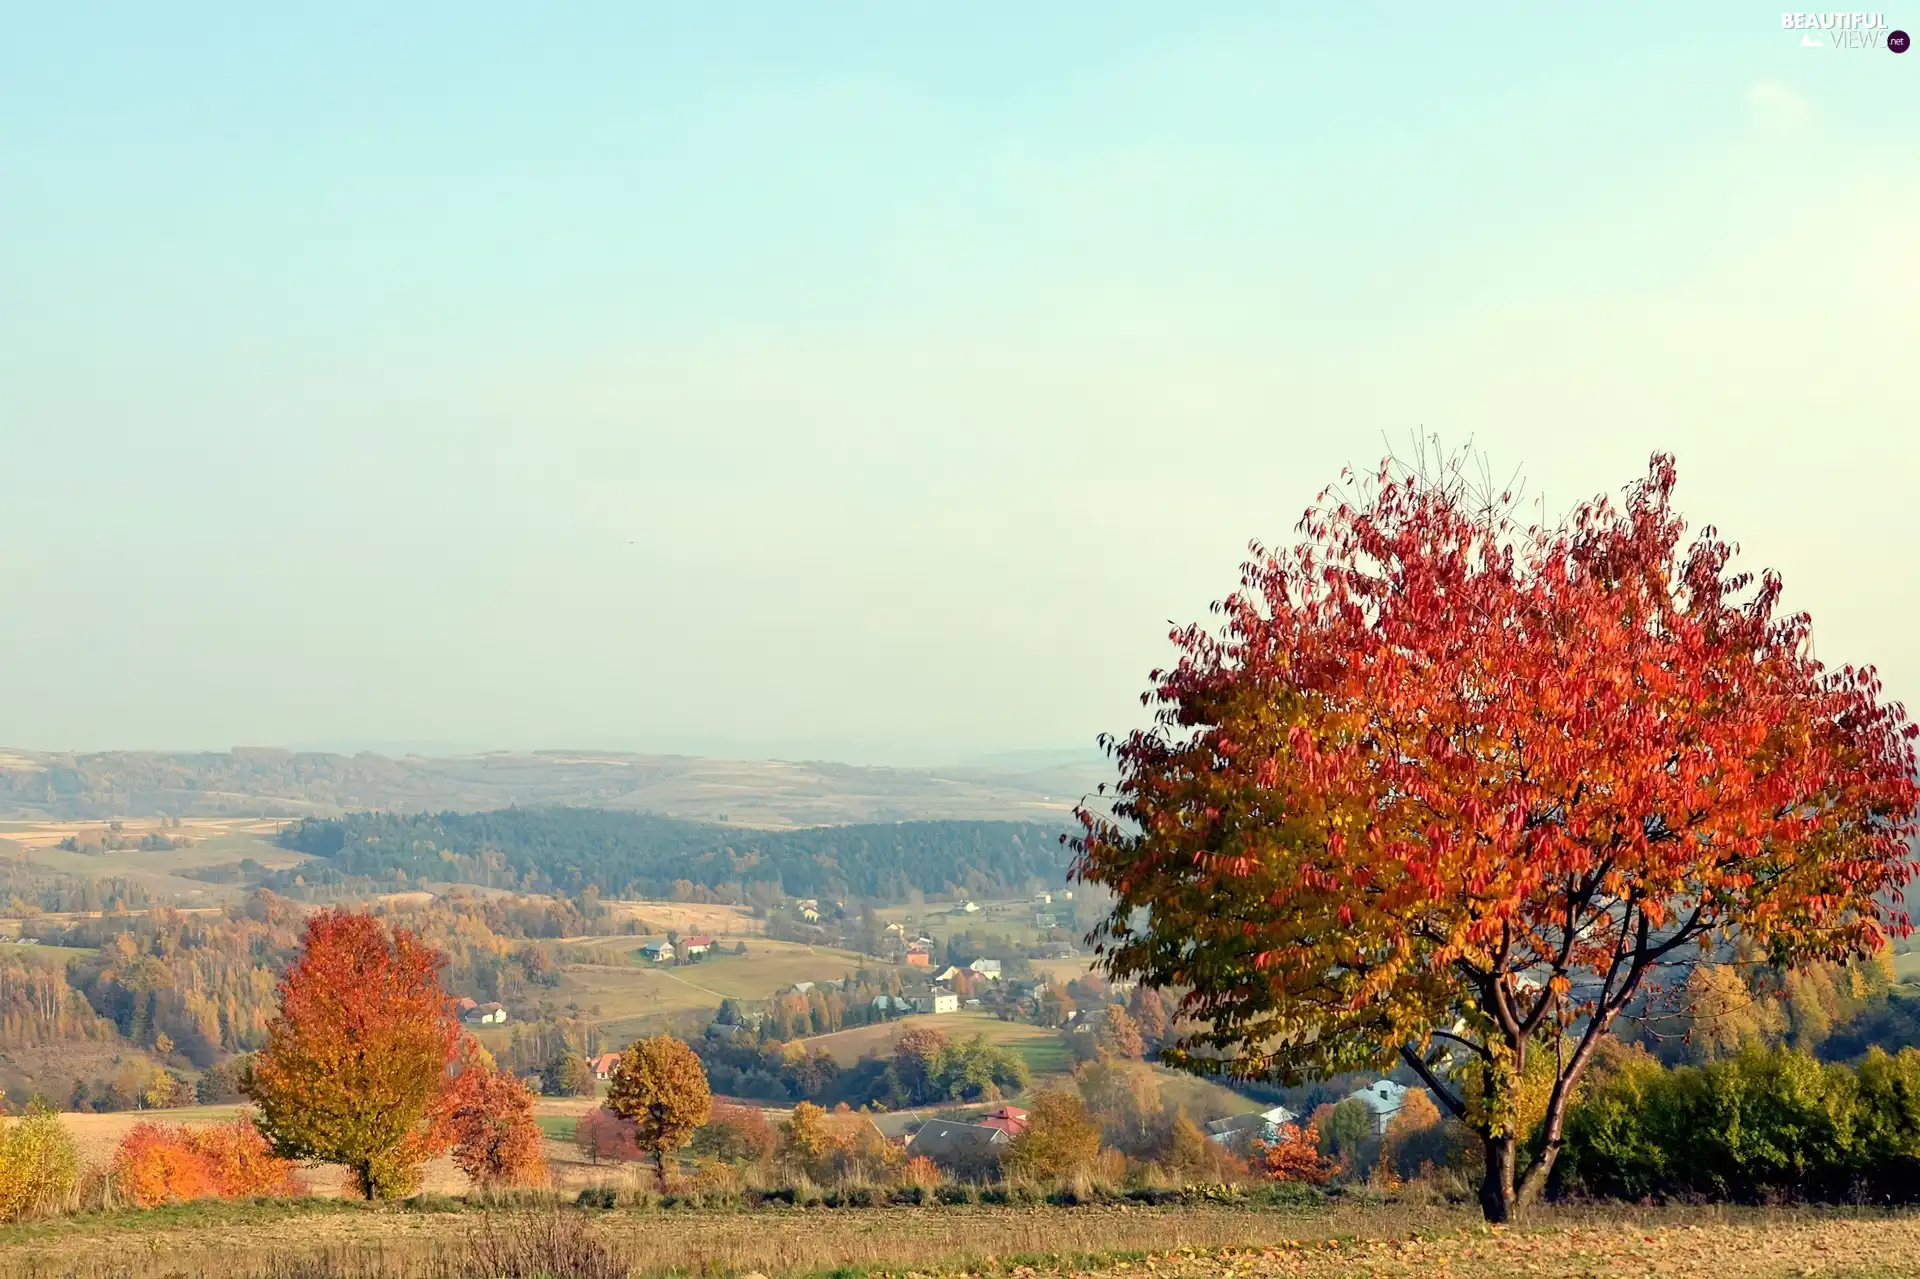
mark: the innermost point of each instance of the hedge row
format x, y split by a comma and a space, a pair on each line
1763, 1127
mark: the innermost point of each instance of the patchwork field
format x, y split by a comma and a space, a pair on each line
214, 842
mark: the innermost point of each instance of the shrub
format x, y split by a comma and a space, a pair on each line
39, 1166
169, 1163
1761, 1126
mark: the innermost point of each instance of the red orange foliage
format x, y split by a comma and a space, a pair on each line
1467, 785
355, 1062
167, 1163
489, 1118
1293, 1155
605, 1137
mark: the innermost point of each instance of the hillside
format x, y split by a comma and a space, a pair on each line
754, 793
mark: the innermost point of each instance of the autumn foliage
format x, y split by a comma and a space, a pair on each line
489, 1119
604, 1137
171, 1163
1293, 1155
356, 1060
1451, 790
660, 1085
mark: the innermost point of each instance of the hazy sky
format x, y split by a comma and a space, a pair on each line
878, 381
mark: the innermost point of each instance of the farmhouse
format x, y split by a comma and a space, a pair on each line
988, 968
940, 1001
696, 945
1238, 1131
484, 1015
967, 908
957, 1145
1384, 1099
603, 1065
660, 952
919, 956
1008, 1119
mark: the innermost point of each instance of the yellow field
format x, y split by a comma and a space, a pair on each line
1391, 1241
1041, 1047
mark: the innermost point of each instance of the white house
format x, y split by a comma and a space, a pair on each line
988, 968
660, 952
1384, 1099
940, 1001
967, 908
484, 1015
1237, 1131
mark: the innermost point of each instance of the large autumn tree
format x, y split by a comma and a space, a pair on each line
356, 1061
1449, 790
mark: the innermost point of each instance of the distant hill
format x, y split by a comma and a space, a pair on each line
563, 850
752, 793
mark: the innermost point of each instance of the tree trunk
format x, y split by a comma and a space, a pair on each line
660, 1167
1496, 1188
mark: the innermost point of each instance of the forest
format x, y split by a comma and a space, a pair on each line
566, 850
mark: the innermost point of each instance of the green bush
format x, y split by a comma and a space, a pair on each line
1761, 1127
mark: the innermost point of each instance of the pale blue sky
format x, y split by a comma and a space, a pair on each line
877, 381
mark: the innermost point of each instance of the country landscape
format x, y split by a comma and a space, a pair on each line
902, 641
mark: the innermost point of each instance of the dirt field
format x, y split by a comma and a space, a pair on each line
1394, 1240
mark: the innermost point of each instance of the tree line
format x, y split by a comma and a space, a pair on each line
566, 850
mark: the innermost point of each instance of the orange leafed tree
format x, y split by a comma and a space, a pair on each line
489, 1118
1293, 1155
356, 1060
1450, 790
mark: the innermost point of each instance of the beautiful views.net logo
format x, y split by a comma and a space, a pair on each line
1845, 31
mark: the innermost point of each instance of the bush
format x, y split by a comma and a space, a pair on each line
1759, 1127
169, 1163
39, 1166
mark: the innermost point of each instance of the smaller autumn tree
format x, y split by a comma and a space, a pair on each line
660, 1085
489, 1117
1292, 1155
1061, 1139
1119, 1034
604, 1137
356, 1059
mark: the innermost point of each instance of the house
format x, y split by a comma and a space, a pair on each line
968, 1148
919, 957
1008, 1119
727, 1032
800, 987
966, 908
897, 930
988, 968
659, 952
1042, 899
462, 1006
603, 1065
940, 1001
484, 1015
1044, 919
696, 945
1237, 1132
1384, 1099
948, 973
892, 1005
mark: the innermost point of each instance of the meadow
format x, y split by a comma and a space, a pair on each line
632, 995
340, 1238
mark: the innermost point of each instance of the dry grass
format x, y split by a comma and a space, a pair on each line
1341, 1240
1040, 1046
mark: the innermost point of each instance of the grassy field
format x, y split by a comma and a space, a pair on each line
1399, 1241
1042, 1049
1906, 967
631, 994
215, 842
